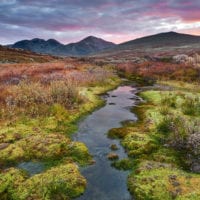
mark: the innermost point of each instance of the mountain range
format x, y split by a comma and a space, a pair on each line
93, 45
86, 46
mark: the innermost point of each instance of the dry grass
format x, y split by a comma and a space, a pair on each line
33, 88
8, 55
161, 70
34, 98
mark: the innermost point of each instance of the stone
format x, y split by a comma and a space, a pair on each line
4, 145
113, 147
112, 156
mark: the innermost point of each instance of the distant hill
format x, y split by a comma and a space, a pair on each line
10, 55
161, 40
162, 44
86, 46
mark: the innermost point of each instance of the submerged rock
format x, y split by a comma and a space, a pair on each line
112, 156
112, 103
113, 147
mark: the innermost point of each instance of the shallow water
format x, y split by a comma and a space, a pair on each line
104, 181
31, 168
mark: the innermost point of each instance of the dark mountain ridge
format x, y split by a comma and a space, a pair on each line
91, 45
86, 46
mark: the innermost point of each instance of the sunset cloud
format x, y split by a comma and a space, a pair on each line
115, 20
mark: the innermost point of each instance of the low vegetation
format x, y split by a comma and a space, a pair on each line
147, 72
164, 144
9, 55
42, 99
61, 182
40, 105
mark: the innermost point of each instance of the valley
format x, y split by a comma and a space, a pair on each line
118, 122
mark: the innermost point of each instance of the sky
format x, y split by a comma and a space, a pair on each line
113, 20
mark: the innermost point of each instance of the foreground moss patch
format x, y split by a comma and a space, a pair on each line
155, 180
61, 182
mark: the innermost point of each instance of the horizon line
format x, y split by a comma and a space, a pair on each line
101, 38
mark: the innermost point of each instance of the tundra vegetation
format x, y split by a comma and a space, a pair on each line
163, 146
41, 102
40, 106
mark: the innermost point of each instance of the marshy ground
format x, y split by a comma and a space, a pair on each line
42, 104
164, 144
38, 115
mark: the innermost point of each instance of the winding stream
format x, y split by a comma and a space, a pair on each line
104, 181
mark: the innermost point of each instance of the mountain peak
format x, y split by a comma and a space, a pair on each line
89, 45
91, 39
170, 33
37, 40
53, 41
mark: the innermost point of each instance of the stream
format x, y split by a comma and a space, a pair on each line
104, 181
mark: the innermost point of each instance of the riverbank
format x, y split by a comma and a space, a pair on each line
160, 144
43, 136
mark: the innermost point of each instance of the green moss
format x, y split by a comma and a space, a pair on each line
155, 180
11, 154
155, 143
61, 182
137, 144
118, 132
166, 155
9, 180
79, 153
36, 146
123, 164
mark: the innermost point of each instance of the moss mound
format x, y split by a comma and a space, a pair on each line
164, 145
120, 133
61, 182
155, 180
